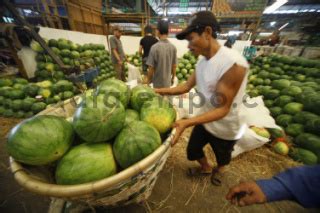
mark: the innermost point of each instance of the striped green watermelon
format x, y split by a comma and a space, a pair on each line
135, 142
131, 115
86, 163
99, 118
40, 140
115, 88
140, 94
159, 113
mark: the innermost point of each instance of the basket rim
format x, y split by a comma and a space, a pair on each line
37, 186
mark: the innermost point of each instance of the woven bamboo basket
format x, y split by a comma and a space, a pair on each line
132, 185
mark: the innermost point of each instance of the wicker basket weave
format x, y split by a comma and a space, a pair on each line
131, 185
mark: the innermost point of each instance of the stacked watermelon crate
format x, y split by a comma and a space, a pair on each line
290, 88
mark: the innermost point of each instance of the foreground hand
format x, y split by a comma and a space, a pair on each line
252, 194
180, 126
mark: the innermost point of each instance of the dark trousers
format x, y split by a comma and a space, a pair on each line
200, 137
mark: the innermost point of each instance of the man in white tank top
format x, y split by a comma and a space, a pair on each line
220, 79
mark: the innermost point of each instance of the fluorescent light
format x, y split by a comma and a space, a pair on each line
265, 34
283, 26
275, 6
234, 32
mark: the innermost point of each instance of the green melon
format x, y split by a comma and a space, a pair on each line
40, 140
116, 88
86, 163
131, 115
99, 119
140, 94
159, 113
135, 142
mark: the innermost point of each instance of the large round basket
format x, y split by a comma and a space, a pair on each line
131, 185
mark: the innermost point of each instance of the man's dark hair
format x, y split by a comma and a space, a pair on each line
163, 27
148, 29
200, 30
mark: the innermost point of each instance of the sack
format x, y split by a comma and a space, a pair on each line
134, 73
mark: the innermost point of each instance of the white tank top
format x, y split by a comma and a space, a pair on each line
208, 74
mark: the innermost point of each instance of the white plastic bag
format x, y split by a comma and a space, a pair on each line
134, 73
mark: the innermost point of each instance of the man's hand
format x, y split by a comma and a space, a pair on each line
250, 191
180, 126
120, 62
172, 80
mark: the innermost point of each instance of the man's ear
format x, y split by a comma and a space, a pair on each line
208, 31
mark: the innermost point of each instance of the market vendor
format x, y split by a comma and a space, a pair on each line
220, 79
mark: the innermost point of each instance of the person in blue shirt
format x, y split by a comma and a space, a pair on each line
301, 184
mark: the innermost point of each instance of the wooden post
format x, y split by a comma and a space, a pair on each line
46, 8
83, 20
92, 23
57, 17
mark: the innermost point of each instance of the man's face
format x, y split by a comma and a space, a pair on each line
197, 43
117, 33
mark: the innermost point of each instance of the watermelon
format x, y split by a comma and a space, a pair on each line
284, 120
292, 108
281, 148
275, 111
86, 163
305, 156
31, 90
261, 131
140, 94
131, 115
313, 126
135, 142
38, 107
291, 91
294, 129
97, 121
282, 100
116, 88
159, 113
303, 116
309, 141
40, 140
5, 82
280, 84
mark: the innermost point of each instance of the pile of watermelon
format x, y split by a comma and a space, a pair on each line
113, 128
74, 55
186, 67
22, 99
290, 89
135, 59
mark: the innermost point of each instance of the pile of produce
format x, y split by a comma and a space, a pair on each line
290, 89
186, 67
113, 128
135, 59
74, 55
21, 99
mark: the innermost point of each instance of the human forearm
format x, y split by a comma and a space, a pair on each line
150, 75
210, 116
173, 71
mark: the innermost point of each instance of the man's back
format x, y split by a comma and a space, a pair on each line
146, 43
162, 56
